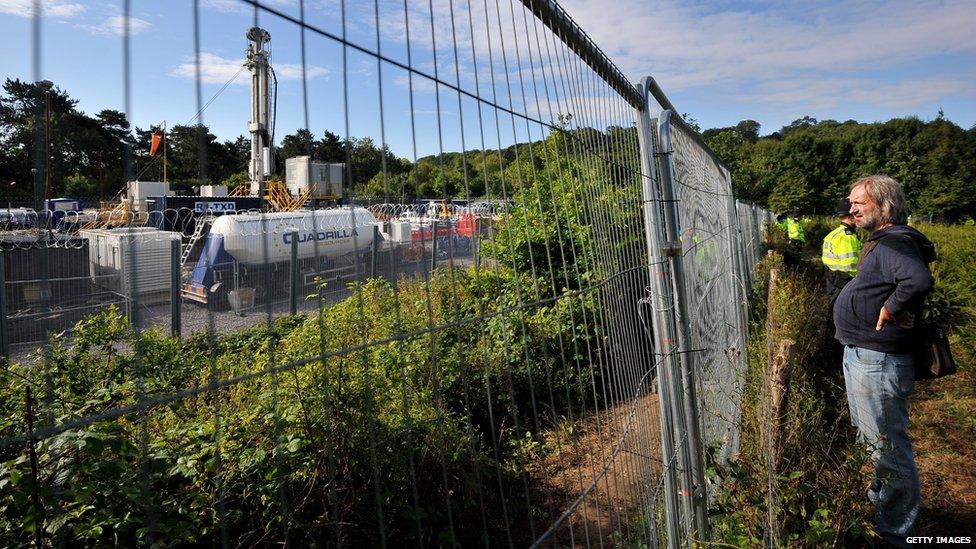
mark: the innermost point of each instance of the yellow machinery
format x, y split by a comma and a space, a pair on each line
244, 189
279, 199
114, 214
276, 196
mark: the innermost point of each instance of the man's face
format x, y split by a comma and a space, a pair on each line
864, 210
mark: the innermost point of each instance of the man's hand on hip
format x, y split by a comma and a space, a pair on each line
903, 319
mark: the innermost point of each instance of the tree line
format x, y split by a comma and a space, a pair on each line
805, 166
808, 165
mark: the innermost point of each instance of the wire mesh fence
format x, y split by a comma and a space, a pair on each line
542, 351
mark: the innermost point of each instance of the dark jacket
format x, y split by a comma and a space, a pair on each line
894, 274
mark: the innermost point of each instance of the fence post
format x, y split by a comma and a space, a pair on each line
433, 246
694, 455
174, 288
376, 251
293, 278
4, 334
661, 322
741, 301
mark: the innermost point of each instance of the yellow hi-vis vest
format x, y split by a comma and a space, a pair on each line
840, 250
794, 230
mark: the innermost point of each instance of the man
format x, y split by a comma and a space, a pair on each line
874, 320
840, 251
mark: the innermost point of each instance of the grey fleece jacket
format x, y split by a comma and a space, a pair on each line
894, 275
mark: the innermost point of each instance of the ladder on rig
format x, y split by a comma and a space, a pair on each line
195, 237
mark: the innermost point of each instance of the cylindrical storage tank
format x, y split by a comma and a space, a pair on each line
266, 238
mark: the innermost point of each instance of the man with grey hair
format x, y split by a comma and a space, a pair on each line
874, 318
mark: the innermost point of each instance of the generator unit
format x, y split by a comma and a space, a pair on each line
320, 179
132, 261
138, 192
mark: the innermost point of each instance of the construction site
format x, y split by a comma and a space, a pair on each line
175, 261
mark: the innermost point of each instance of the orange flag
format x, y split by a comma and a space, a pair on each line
157, 140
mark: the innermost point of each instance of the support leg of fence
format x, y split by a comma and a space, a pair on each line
662, 326
174, 288
376, 251
476, 244
4, 334
293, 278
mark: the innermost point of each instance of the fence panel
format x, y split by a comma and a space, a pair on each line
713, 291
469, 364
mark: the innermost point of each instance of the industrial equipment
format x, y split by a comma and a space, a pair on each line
249, 250
321, 180
131, 260
258, 125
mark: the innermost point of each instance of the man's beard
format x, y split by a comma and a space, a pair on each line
868, 222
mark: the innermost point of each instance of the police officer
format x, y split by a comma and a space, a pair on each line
794, 230
841, 248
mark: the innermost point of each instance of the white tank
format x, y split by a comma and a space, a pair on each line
260, 238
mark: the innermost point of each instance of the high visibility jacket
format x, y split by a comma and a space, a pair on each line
841, 249
706, 253
794, 230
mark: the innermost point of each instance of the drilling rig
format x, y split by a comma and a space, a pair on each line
262, 157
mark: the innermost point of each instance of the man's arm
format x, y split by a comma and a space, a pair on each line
908, 272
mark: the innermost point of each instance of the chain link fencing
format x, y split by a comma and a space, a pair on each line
541, 352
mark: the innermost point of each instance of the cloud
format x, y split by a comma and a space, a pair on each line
227, 6
57, 9
793, 52
115, 26
292, 71
828, 93
237, 6
419, 84
218, 70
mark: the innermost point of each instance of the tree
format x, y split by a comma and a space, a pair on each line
300, 143
802, 122
196, 156
748, 130
89, 147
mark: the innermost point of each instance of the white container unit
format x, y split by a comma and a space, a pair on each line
266, 238
400, 231
138, 192
324, 179
213, 191
132, 261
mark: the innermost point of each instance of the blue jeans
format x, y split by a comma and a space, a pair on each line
878, 386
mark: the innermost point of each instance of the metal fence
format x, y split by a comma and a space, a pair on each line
553, 370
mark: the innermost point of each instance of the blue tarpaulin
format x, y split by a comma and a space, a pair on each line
212, 256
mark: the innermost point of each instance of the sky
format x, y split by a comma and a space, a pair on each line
719, 61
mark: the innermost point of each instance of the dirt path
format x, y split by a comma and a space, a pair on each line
614, 458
